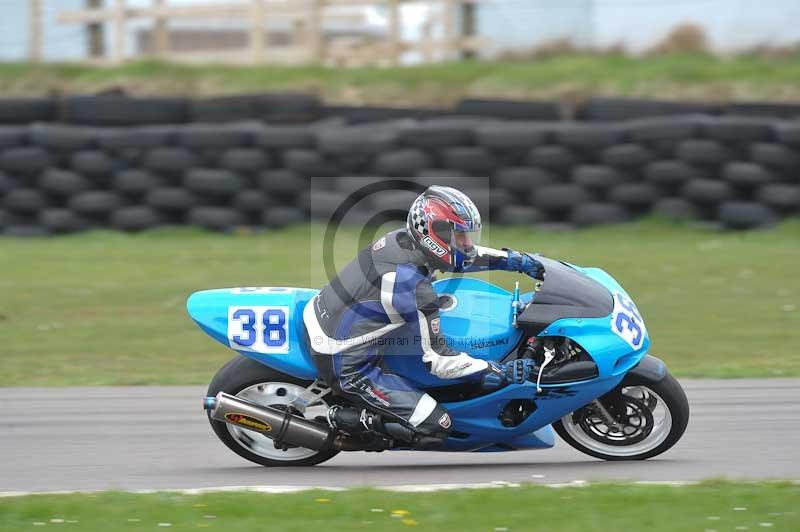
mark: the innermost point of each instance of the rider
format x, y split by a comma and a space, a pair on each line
387, 286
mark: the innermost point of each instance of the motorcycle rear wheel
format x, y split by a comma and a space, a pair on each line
249, 380
658, 413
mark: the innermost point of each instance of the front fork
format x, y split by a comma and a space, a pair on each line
616, 409
611, 406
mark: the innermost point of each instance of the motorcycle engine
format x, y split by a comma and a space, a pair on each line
564, 349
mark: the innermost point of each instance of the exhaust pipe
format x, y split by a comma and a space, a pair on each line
279, 425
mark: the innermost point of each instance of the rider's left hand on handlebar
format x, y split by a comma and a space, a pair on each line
518, 371
525, 263
499, 375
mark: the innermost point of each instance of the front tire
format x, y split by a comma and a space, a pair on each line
249, 380
657, 413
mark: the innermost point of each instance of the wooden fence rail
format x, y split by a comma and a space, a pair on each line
446, 34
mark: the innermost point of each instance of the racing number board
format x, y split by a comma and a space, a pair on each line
627, 322
259, 329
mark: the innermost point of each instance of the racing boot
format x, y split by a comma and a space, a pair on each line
365, 428
363, 421
354, 420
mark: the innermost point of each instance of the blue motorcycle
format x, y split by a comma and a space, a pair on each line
595, 382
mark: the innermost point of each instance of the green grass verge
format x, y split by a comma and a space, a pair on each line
106, 308
603, 507
673, 76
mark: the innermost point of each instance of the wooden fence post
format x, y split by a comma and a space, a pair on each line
427, 40
35, 31
467, 28
449, 27
394, 32
95, 33
316, 36
160, 32
118, 52
257, 41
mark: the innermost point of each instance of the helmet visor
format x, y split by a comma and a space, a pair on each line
465, 241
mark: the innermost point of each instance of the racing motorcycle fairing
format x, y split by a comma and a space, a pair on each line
263, 323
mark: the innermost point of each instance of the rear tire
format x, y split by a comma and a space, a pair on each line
239, 374
671, 394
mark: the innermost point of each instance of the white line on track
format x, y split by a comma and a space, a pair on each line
405, 488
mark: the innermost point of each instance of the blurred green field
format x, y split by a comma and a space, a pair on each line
707, 506
688, 76
108, 308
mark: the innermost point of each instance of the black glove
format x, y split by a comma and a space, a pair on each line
525, 263
498, 375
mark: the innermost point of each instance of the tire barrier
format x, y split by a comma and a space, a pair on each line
614, 109
285, 108
118, 109
27, 110
735, 172
509, 109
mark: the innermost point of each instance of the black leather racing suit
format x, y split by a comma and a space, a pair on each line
385, 287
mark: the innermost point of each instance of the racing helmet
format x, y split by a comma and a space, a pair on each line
446, 225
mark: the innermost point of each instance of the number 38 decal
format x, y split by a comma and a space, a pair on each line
259, 329
627, 322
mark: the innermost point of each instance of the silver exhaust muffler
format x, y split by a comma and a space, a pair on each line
279, 425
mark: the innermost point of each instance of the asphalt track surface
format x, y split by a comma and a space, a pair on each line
158, 438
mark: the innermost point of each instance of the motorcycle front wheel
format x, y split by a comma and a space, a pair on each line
649, 418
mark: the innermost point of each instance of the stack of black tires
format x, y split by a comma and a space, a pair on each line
738, 172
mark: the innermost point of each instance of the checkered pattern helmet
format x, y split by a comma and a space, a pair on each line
446, 225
